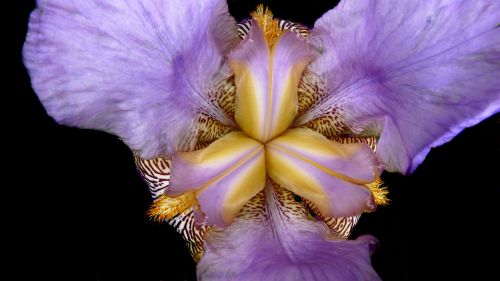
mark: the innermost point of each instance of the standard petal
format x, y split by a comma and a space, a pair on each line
266, 82
226, 175
138, 69
329, 174
415, 72
282, 244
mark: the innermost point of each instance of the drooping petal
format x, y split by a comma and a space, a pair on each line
282, 244
226, 174
415, 72
329, 174
138, 69
266, 82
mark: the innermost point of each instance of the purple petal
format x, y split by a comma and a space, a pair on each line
137, 69
418, 72
282, 244
226, 174
266, 82
329, 174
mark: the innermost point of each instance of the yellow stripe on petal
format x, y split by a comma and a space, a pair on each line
266, 83
329, 174
226, 174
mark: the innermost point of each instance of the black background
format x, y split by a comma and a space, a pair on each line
78, 204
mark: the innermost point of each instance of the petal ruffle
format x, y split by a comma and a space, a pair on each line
416, 72
226, 174
282, 244
266, 82
138, 69
329, 174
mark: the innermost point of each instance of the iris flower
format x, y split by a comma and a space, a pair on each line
258, 137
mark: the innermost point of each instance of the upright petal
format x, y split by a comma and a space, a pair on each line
283, 244
226, 174
415, 72
329, 174
138, 69
266, 82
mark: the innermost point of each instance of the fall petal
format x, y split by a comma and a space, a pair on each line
330, 174
226, 174
414, 72
137, 69
283, 245
266, 82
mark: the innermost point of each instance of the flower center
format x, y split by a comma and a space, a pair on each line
226, 174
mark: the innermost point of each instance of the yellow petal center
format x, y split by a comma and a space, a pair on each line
266, 79
233, 169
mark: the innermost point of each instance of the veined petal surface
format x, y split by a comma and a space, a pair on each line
137, 69
226, 174
279, 242
415, 72
330, 174
266, 82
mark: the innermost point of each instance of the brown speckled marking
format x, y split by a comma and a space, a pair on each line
223, 96
255, 208
209, 130
244, 27
329, 123
194, 236
310, 91
371, 141
340, 227
302, 30
155, 172
289, 206
298, 28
